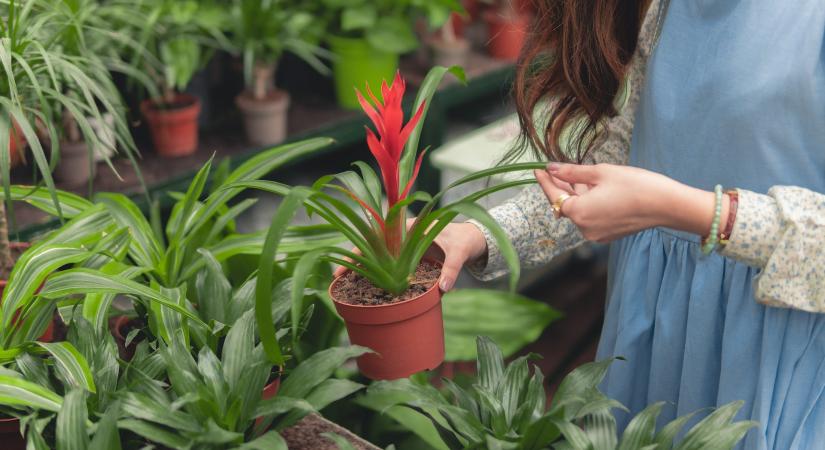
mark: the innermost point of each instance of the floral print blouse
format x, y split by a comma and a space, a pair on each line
781, 232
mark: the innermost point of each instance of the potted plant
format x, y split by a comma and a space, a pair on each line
506, 408
80, 31
507, 23
449, 46
262, 32
400, 315
367, 37
179, 37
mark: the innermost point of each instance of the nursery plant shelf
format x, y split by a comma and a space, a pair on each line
486, 79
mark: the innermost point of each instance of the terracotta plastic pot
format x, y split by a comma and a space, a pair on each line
17, 143
174, 127
506, 34
407, 337
10, 434
265, 120
74, 169
48, 334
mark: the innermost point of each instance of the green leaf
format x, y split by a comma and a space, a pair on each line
71, 364
238, 349
392, 34
639, 431
342, 442
71, 431
472, 312
263, 291
584, 378
327, 392
716, 430
664, 438
213, 288
490, 363
17, 392
140, 406
317, 368
425, 96
154, 433
84, 281
271, 440
600, 428
193, 193
541, 433
359, 17
70, 204
106, 434
145, 248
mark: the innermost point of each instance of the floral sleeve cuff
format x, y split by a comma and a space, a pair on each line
782, 233
529, 224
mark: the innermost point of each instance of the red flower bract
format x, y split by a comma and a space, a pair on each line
388, 146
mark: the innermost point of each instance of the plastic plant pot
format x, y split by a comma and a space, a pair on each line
356, 64
407, 337
265, 120
174, 127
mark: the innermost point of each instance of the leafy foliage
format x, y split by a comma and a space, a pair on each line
505, 408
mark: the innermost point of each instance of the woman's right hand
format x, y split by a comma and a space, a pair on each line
461, 242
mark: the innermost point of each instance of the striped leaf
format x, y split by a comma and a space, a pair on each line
70, 364
71, 431
19, 393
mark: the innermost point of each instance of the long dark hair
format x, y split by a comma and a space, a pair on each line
576, 57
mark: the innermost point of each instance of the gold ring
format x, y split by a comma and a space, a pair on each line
557, 205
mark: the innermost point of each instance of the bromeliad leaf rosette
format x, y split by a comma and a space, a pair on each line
402, 320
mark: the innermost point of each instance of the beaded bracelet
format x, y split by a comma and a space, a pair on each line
713, 237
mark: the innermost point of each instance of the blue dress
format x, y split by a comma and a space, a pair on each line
735, 95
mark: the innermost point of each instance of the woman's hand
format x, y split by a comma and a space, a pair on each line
461, 242
609, 201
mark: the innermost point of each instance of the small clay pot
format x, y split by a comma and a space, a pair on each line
265, 119
447, 54
506, 34
407, 337
74, 169
17, 144
118, 328
174, 126
10, 434
48, 334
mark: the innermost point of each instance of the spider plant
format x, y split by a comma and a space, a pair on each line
505, 408
388, 254
40, 82
263, 30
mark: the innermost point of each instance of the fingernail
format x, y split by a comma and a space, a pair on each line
553, 167
446, 284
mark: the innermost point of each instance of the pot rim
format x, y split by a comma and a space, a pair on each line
385, 305
150, 105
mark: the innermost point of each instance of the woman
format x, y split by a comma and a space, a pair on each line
723, 92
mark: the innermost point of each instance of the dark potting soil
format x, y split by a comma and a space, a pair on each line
357, 290
307, 435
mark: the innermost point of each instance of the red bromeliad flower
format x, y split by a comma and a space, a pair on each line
387, 148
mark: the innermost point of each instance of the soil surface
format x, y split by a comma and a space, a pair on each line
357, 290
15, 255
306, 435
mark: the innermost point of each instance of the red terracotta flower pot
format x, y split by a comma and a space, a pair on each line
174, 127
17, 143
407, 337
48, 335
506, 34
119, 332
10, 437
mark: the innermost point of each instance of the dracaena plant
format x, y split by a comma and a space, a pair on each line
505, 408
388, 252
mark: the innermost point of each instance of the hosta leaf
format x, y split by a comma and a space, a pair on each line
71, 364
71, 431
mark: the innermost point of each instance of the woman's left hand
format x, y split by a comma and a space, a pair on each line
610, 201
